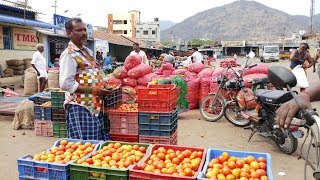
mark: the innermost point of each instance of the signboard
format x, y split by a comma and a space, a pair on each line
101, 46
1, 38
25, 39
233, 44
59, 20
89, 30
217, 49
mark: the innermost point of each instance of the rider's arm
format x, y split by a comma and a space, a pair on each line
310, 61
293, 56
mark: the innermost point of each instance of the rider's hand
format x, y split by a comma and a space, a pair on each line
99, 91
287, 111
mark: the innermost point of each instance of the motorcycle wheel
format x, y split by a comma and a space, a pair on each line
233, 115
290, 144
210, 110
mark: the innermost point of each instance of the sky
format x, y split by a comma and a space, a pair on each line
95, 11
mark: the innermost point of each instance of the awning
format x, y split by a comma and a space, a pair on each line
26, 22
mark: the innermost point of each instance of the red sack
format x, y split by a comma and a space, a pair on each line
120, 72
259, 69
114, 81
204, 88
166, 66
214, 86
158, 72
138, 87
206, 72
146, 78
196, 67
139, 71
129, 82
132, 61
193, 92
190, 74
179, 72
248, 77
167, 73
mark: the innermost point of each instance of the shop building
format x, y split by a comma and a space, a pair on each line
148, 31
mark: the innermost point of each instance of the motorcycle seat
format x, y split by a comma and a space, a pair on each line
260, 81
275, 97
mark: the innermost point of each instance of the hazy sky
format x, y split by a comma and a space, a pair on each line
95, 11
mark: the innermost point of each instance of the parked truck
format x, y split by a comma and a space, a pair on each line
270, 53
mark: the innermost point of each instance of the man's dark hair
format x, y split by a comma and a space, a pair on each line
305, 44
69, 26
196, 49
137, 44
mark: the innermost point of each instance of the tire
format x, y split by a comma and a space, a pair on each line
261, 59
215, 112
233, 115
291, 143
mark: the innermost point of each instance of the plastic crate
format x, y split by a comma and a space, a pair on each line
59, 129
57, 103
83, 172
159, 131
58, 114
172, 140
106, 123
123, 122
29, 169
42, 112
43, 128
40, 100
136, 174
113, 100
124, 137
213, 153
157, 98
58, 95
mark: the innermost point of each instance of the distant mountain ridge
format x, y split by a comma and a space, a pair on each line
239, 20
166, 24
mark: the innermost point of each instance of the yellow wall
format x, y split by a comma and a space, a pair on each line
13, 54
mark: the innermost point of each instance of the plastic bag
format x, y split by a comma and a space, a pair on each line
179, 72
300, 74
120, 72
129, 82
139, 71
259, 69
146, 78
204, 88
132, 61
167, 73
190, 74
249, 77
193, 92
206, 72
166, 66
114, 80
196, 67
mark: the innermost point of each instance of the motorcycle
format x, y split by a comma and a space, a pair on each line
282, 77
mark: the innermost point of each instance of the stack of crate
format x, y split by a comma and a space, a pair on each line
42, 118
158, 115
59, 114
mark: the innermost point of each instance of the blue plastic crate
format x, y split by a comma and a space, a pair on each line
158, 132
213, 153
29, 169
42, 112
158, 127
158, 118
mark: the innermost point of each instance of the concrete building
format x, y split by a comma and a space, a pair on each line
124, 23
148, 31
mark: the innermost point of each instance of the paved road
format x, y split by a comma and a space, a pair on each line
193, 131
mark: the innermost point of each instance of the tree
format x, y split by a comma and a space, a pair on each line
200, 42
167, 43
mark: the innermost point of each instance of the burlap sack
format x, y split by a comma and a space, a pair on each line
8, 71
15, 62
20, 72
53, 79
17, 68
24, 115
27, 63
30, 82
8, 75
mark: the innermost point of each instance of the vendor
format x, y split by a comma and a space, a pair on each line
39, 64
139, 52
80, 76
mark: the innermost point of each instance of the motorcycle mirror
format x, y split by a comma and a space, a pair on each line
252, 55
281, 77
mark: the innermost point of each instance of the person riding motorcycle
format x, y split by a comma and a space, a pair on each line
287, 111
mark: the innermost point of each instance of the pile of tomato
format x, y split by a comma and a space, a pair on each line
127, 108
226, 167
173, 162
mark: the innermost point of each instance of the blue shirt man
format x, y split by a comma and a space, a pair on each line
107, 62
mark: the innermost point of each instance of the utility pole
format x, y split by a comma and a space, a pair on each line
311, 17
55, 6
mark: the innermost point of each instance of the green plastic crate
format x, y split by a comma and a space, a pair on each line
59, 129
57, 103
58, 95
83, 172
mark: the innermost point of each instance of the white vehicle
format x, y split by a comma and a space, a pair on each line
270, 53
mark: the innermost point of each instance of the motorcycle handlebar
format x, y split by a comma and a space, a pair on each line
254, 65
310, 116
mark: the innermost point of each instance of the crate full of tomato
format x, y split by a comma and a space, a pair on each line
227, 164
54, 164
170, 162
124, 119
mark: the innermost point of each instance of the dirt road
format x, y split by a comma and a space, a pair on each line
192, 131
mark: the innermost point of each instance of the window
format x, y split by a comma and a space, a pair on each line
7, 41
117, 22
125, 22
153, 32
145, 32
125, 32
138, 31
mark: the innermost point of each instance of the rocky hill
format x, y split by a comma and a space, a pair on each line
239, 20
